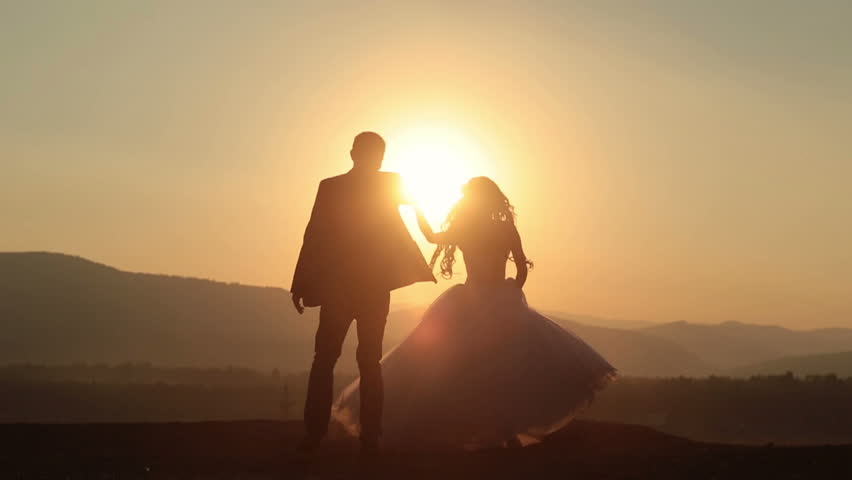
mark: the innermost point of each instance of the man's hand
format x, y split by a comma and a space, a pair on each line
297, 302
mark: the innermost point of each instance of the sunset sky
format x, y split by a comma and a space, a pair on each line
669, 160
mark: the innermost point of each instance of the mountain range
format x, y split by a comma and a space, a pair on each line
732, 344
60, 309
839, 364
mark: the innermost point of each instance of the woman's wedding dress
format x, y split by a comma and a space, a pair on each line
481, 369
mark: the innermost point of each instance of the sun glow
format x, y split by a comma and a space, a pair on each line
435, 163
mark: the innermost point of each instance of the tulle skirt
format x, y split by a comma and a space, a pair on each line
480, 369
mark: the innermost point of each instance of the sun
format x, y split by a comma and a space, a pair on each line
435, 162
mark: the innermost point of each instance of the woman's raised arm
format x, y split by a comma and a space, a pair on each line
431, 237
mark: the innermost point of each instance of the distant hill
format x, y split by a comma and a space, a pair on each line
602, 321
60, 309
839, 364
635, 353
733, 344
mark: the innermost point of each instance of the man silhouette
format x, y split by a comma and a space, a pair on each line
356, 250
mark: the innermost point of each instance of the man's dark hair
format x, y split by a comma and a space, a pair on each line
367, 141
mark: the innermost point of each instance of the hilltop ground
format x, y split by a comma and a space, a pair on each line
262, 449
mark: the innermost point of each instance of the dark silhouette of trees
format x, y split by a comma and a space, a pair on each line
782, 409
142, 392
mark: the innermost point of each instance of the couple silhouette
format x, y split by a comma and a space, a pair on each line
480, 369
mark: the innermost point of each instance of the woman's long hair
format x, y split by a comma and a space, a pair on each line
482, 202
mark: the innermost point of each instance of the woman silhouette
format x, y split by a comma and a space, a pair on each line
481, 368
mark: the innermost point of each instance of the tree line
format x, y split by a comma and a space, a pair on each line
781, 409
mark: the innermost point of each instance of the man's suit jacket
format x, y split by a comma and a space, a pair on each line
356, 240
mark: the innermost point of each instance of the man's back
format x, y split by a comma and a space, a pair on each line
357, 204
356, 240
363, 218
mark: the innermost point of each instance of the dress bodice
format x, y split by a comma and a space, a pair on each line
485, 254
